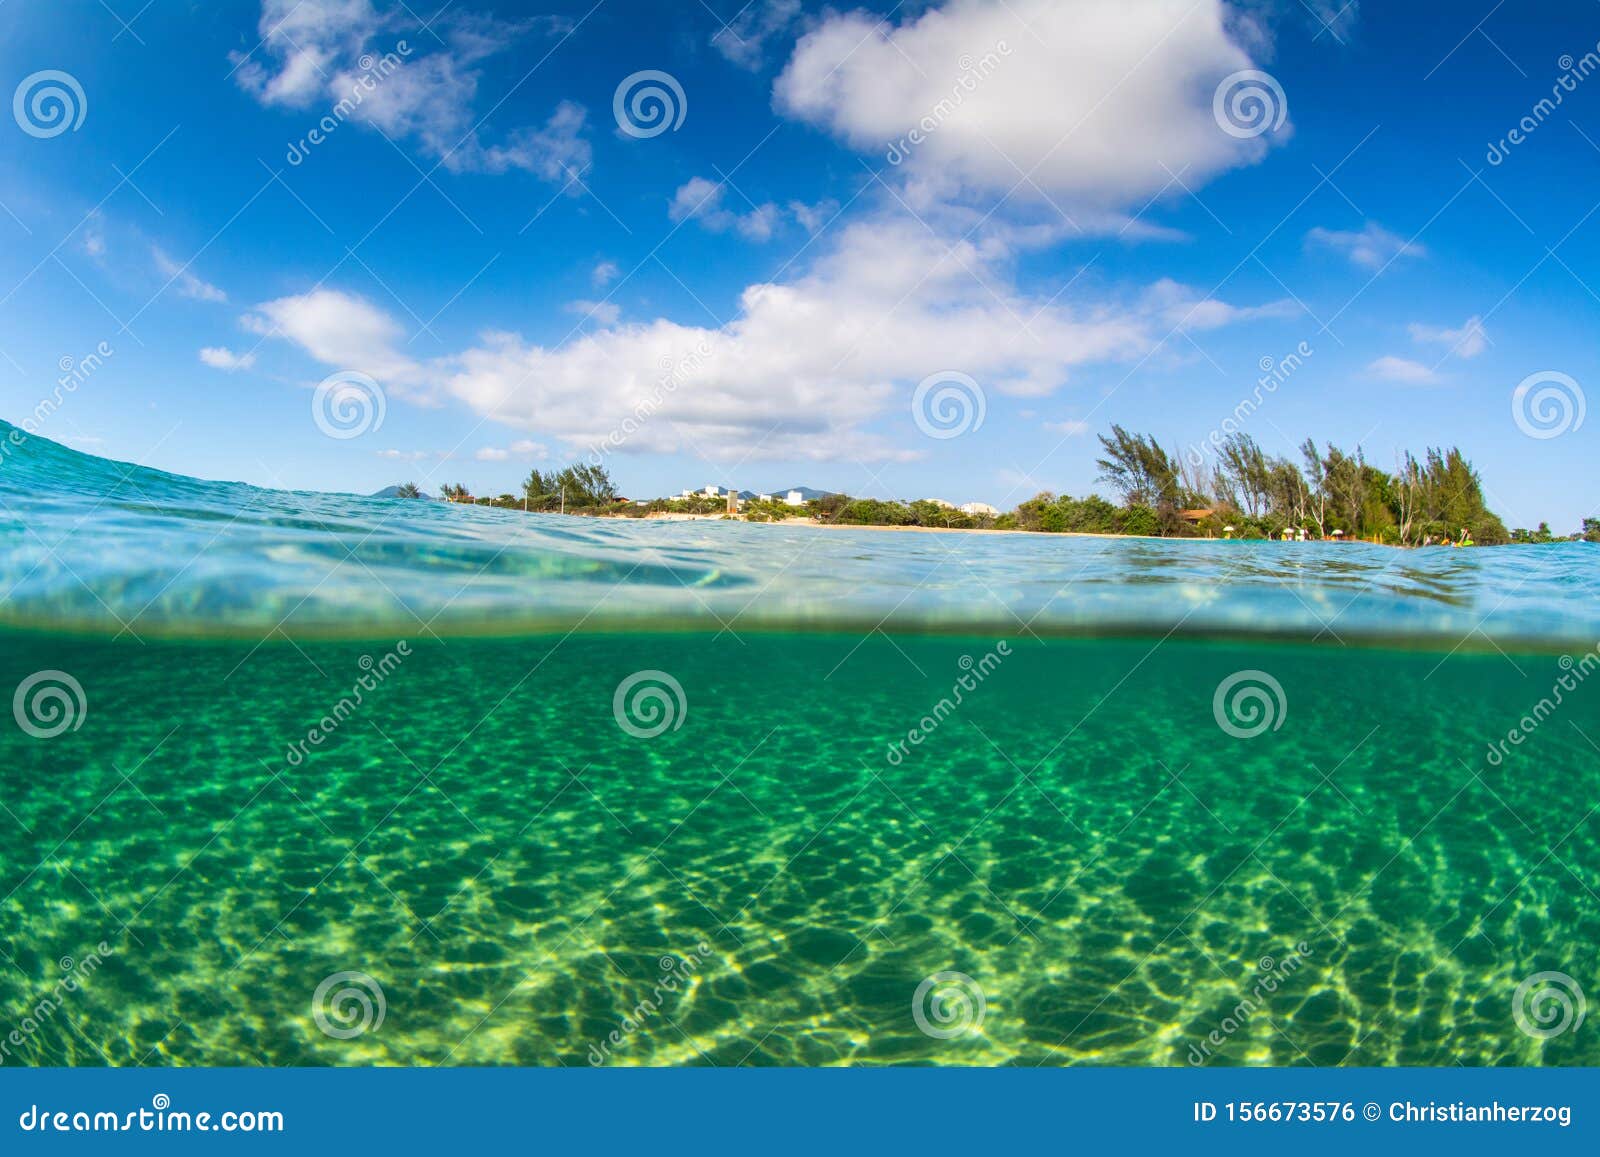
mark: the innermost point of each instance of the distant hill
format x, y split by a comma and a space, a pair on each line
394, 492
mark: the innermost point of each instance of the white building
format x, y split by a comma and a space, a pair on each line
978, 508
941, 503
712, 491
794, 498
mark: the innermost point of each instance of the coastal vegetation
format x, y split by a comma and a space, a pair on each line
1231, 488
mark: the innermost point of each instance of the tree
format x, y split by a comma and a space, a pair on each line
407, 490
578, 486
1591, 530
1244, 476
455, 492
1137, 468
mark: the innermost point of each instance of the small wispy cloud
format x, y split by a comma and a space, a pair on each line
1466, 341
186, 281
520, 449
604, 274
606, 313
223, 358
699, 199
1404, 370
1371, 247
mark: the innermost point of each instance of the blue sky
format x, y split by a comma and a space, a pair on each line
752, 295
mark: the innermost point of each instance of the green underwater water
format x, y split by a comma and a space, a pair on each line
510, 866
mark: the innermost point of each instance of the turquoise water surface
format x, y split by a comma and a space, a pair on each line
315, 779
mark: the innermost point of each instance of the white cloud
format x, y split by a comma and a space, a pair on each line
341, 331
406, 455
813, 218
744, 41
1097, 102
601, 312
1072, 428
380, 66
519, 449
1395, 369
1468, 341
1371, 247
604, 274
1181, 308
94, 236
188, 284
821, 367
701, 200
223, 358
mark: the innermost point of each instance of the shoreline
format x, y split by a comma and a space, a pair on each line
662, 516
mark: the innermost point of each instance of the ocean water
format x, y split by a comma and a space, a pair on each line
319, 780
